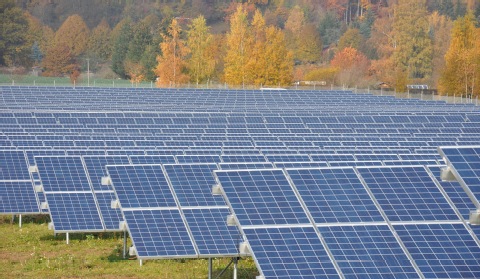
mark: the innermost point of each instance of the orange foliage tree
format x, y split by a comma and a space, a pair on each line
74, 34
172, 68
352, 64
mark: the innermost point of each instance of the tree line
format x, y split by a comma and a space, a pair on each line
341, 42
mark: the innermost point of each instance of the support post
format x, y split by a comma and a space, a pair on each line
209, 268
13, 219
68, 238
19, 220
124, 244
235, 263
141, 262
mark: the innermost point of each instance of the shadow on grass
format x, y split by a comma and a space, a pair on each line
82, 236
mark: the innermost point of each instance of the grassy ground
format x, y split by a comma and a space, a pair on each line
33, 252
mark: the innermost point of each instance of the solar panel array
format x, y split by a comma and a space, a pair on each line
320, 183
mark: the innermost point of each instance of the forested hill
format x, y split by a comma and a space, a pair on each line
341, 42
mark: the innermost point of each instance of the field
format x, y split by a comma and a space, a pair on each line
34, 252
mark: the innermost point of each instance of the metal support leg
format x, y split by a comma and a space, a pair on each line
124, 244
209, 268
141, 262
235, 263
68, 238
20, 220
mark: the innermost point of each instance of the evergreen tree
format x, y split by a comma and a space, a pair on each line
120, 49
99, 44
37, 54
14, 49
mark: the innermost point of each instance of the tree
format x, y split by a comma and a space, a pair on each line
462, 59
440, 26
14, 48
413, 52
351, 38
74, 34
37, 54
171, 68
279, 60
257, 58
238, 42
352, 65
59, 61
99, 44
310, 44
201, 63
120, 47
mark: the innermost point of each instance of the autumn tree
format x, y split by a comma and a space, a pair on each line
59, 61
238, 42
302, 38
74, 34
201, 63
413, 46
257, 58
352, 66
172, 67
351, 38
121, 35
440, 26
279, 60
461, 74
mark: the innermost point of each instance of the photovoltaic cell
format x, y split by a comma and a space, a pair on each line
73, 212
300, 164
152, 159
295, 252
261, 197
466, 162
192, 184
334, 195
141, 186
62, 174
368, 252
243, 158
239, 166
198, 159
210, 231
95, 166
159, 233
13, 165
442, 250
407, 193
111, 216
17, 197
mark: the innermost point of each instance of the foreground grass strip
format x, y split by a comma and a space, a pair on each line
33, 252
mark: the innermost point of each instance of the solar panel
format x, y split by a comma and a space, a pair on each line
152, 159
368, 252
243, 158
237, 166
332, 157
17, 197
465, 163
198, 159
95, 166
261, 197
407, 193
442, 250
62, 174
192, 184
13, 165
290, 252
334, 195
354, 163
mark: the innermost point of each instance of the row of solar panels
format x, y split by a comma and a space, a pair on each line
401, 220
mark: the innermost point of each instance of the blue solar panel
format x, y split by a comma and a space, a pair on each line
192, 184
368, 252
442, 250
407, 193
354, 163
335, 195
13, 165
288, 158
455, 192
466, 163
332, 157
152, 159
17, 197
159, 233
295, 252
261, 197
300, 164
73, 212
375, 157
210, 231
189, 159
239, 166
62, 174
141, 186
243, 158
95, 166
111, 216
409, 162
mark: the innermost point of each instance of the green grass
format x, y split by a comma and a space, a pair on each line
65, 81
33, 252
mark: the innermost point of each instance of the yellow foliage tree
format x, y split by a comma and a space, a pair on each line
238, 43
74, 34
202, 61
172, 68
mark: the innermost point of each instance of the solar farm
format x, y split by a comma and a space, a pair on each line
308, 184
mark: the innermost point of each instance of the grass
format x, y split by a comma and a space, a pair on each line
33, 251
